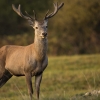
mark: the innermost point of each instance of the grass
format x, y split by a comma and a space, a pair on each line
65, 77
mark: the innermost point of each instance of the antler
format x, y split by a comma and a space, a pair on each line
56, 8
18, 11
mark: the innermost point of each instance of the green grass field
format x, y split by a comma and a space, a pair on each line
64, 78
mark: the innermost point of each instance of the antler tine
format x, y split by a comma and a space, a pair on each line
60, 5
18, 11
34, 15
56, 8
29, 15
47, 13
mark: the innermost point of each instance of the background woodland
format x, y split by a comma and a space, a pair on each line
74, 30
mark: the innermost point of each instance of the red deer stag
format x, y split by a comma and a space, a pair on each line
28, 60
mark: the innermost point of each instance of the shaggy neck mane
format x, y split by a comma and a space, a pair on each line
40, 46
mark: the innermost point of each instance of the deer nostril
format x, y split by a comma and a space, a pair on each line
44, 34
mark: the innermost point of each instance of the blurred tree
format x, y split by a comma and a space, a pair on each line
10, 22
77, 28
74, 30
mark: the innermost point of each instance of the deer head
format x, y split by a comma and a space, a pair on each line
39, 26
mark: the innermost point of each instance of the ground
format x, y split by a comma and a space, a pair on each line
65, 78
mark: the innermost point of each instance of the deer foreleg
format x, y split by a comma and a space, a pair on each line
29, 84
38, 79
5, 78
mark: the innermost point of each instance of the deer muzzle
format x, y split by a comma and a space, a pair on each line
43, 35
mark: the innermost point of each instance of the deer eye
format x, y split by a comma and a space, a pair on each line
36, 27
46, 26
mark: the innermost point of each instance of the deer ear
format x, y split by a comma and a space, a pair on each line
30, 23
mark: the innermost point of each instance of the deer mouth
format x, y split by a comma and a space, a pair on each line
42, 36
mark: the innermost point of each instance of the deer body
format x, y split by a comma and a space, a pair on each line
24, 58
28, 60
20, 59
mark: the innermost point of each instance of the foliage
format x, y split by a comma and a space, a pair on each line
65, 77
77, 29
10, 22
74, 30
